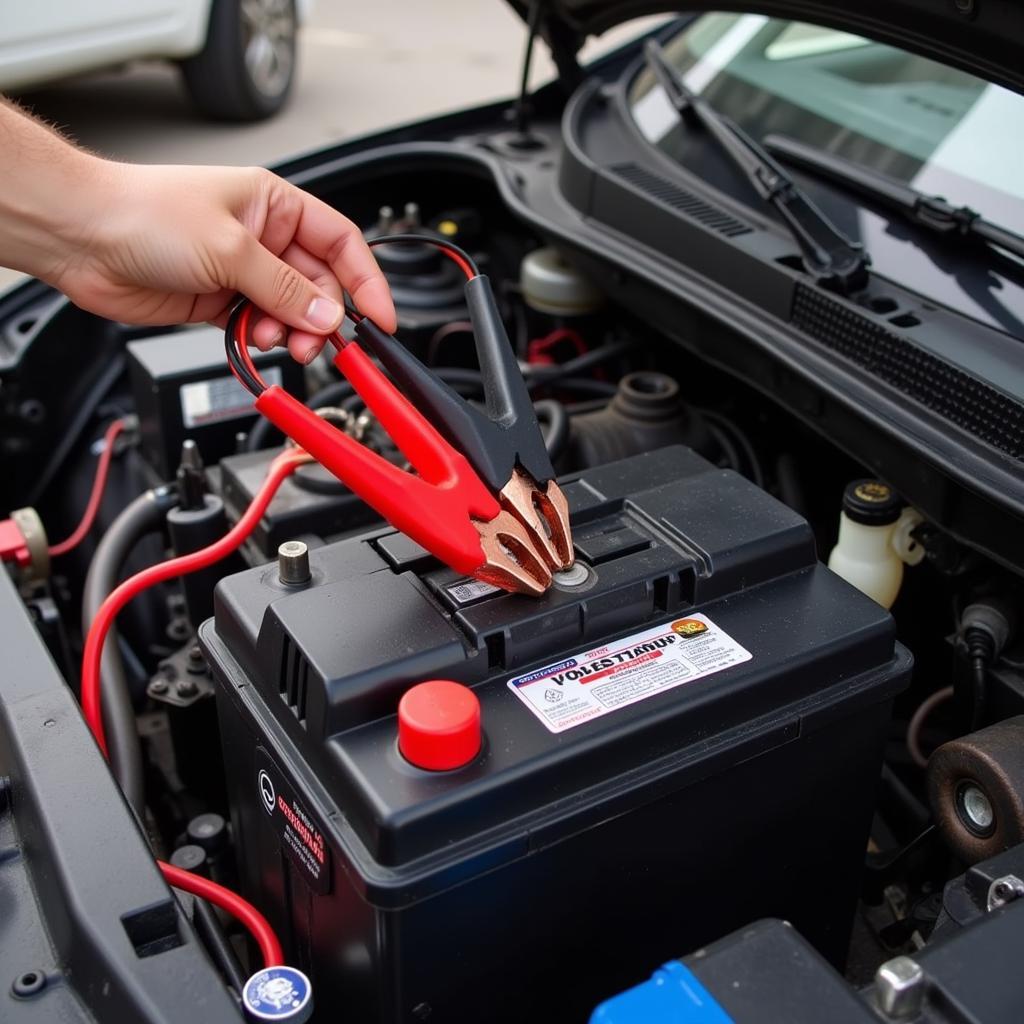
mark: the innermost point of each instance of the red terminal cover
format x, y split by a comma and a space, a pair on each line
439, 725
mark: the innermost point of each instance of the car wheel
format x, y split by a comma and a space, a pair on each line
247, 65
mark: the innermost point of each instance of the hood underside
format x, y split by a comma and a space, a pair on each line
983, 37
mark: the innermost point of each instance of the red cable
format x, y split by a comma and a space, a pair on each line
258, 925
99, 485
280, 469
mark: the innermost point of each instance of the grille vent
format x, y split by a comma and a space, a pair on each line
971, 404
294, 679
671, 194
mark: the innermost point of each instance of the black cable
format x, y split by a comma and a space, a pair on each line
232, 350
556, 436
729, 450
415, 238
70, 436
540, 375
522, 113
980, 654
211, 931
727, 426
144, 515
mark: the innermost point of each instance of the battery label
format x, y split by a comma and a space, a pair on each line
300, 835
471, 590
599, 681
222, 398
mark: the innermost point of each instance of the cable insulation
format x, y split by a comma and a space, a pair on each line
99, 485
243, 910
282, 467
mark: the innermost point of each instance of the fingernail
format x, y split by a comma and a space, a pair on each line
323, 314
309, 356
277, 337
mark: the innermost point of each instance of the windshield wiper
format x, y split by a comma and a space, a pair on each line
932, 212
827, 253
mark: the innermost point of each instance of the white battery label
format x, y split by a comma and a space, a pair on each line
219, 399
599, 681
471, 590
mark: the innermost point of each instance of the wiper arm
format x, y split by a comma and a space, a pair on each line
827, 253
932, 212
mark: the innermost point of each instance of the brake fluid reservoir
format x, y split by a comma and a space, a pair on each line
874, 540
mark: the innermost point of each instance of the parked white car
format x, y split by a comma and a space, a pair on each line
237, 56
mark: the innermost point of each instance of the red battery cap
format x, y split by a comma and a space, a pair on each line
439, 725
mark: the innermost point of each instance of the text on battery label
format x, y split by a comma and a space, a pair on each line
604, 679
222, 398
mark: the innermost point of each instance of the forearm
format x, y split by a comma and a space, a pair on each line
47, 201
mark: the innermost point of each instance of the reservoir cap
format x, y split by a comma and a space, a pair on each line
872, 503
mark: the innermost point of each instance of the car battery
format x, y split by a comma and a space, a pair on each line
182, 389
680, 737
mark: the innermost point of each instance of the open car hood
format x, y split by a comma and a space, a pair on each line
983, 37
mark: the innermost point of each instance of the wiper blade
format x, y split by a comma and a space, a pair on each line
932, 212
827, 253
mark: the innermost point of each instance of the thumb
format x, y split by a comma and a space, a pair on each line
284, 293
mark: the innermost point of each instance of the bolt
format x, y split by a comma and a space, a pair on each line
293, 563
899, 988
977, 809
158, 687
576, 575
186, 688
385, 219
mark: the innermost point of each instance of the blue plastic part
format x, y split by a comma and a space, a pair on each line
278, 994
673, 995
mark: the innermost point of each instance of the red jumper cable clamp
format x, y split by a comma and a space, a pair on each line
444, 506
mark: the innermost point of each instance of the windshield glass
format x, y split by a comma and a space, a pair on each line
938, 129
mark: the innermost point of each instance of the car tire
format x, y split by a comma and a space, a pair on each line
246, 68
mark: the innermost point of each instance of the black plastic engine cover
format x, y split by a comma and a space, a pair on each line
566, 858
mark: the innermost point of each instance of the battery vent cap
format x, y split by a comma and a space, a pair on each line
439, 725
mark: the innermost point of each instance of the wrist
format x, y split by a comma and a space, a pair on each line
53, 196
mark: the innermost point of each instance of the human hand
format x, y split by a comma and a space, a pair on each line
163, 245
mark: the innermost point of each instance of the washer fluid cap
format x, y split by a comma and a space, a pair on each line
872, 503
439, 725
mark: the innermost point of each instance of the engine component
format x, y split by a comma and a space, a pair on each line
646, 413
874, 541
312, 504
554, 286
23, 544
182, 389
976, 790
198, 520
657, 711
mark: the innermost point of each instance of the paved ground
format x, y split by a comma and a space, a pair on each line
362, 67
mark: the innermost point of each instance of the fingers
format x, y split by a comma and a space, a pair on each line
333, 238
284, 292
269, 332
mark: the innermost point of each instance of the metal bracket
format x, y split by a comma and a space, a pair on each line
1004, 890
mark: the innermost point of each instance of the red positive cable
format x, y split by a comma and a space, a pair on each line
99, 485
280, 469
257, 924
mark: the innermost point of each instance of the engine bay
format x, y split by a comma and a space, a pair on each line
761, 739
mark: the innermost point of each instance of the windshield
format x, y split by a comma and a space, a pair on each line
938, 129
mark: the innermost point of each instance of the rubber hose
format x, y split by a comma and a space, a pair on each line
143, 516
555, 424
